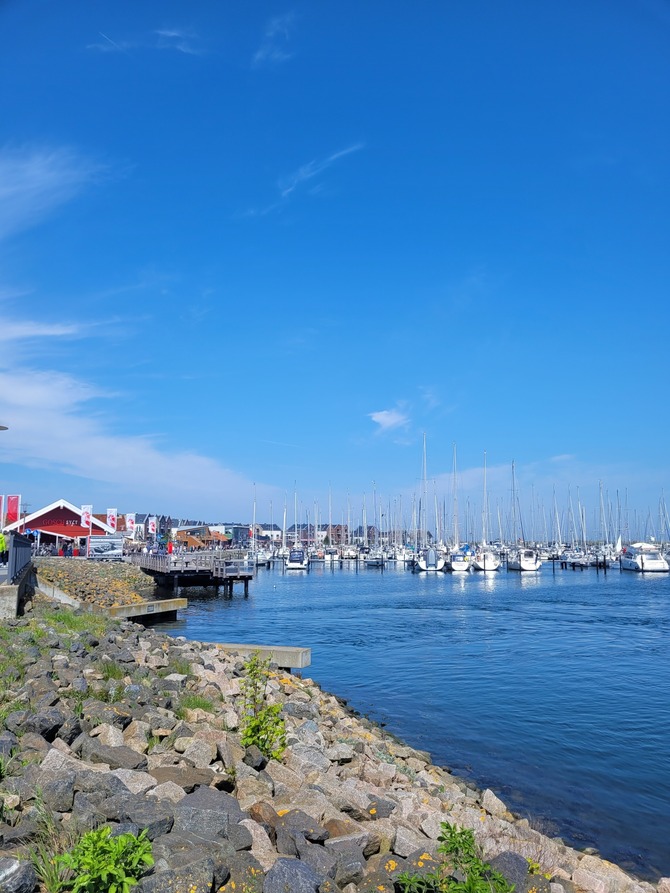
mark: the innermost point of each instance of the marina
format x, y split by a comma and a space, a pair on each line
549, 687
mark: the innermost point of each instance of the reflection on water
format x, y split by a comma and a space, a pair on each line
551, 688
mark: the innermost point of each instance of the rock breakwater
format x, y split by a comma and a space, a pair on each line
96, 584
113, 723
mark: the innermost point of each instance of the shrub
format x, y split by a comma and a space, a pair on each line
261, 724
460, 859
101, 863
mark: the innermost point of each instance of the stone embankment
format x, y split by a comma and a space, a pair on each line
114, 723
95, 584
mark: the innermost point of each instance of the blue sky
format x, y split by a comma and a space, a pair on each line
262, 249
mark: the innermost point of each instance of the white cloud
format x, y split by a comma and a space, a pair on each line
273, 48
388, 419
183, 40
310, 170
56, 425
19, 331
35, 182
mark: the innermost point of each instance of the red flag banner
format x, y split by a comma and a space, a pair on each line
111, 518
13, 503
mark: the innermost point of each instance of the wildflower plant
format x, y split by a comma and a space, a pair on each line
101, 863
261, 724
461, 869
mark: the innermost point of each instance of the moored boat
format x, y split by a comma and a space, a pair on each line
297, 560
523, 559
643, 557
485, 559
430, 560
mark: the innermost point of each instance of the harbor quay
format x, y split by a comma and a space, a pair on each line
113, 722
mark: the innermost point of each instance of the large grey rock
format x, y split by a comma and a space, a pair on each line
304, 758
210, 814
45, 723
199, 753
297, 821
186, 777
17, 876
85, 812
136, 782
8, 741
115, 757
195, 877
293, 875
317, 857
58, 791
513, 867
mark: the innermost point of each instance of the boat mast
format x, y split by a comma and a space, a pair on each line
455, 518
485, 508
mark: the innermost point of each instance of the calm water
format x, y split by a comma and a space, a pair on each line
553, 690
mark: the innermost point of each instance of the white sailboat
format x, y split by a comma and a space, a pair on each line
459, 559
520, 556
297, 558
429, 558
485, 558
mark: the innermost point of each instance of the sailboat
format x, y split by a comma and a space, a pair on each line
297, 559
485, 558
520, 556
459, 558
429, 558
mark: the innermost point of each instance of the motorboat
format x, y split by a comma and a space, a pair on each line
298, 560
644, 557
374, 558
523, 559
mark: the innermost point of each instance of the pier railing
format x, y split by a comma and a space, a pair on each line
215, 564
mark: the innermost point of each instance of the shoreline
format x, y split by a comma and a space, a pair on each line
496, 827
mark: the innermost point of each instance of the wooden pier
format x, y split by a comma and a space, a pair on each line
217, 569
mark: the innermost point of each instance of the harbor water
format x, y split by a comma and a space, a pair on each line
551, 688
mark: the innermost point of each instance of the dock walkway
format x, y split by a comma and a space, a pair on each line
219, 569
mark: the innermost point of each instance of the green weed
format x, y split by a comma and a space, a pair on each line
459, 859
261, 724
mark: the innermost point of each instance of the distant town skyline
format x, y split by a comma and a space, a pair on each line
248, 253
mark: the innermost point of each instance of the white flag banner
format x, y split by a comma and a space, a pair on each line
2, 512
152, 525
111, 518
130, 522
87, 516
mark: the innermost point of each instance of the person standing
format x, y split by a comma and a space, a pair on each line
4, 549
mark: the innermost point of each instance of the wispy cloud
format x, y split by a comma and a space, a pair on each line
429, 398
108, 45
389, 419
293, 182
21, 331
312, 169
273, 50
35, 182
132, 468
181, 40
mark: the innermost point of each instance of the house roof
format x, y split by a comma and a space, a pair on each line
59, 518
